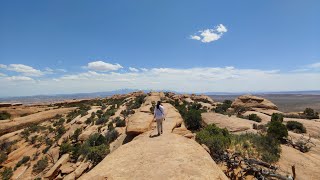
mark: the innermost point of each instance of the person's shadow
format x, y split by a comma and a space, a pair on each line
153, 136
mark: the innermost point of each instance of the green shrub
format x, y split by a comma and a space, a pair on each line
4, 115
310, 114
95, 148
7, 173
76, 134
23, 161
217, 139
101, 120
65, 148
120, 123
3, 156
40, 165
59, 122
111, 135
257, 146
193, 119
222, 108
45, 150
254, 117
277, 117
296, 127
277, 130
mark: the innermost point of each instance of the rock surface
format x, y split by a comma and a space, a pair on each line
168, 156
53, 172
250, 101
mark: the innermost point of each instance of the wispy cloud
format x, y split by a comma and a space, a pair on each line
133, 69
210, 35
23, 69
19, 78
103, 66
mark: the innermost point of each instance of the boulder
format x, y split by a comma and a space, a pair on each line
81, 168
85, 135
67, 168
250, 101
54, 171
139, 122
168, 156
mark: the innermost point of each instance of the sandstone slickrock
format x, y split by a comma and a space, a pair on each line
168, 156
54, 153
67, 168
81, 168
253, 102
17, 174
70, 176
54, 170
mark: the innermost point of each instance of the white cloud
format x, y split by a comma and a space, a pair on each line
1, 74
133, 69
3, 66
19, 78
221, 28
195, 37
24, 69
103, 66
210, 35
144, 69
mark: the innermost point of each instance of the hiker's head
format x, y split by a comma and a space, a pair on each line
158, 104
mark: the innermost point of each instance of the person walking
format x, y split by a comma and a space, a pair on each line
159, 116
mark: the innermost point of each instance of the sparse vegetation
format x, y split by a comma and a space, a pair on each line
6, 173
310, 114
24, 160
217, 139
295, 126
277, 130
95, 148
76, 134
277, 117
254, 117
3, 156
102, 120
222, 108
119, 122
40, 165
4, 115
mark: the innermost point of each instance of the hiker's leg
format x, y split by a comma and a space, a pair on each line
158, 125
161, 126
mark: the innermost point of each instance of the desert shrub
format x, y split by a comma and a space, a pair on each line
277, 117
6, 173
111, 135
257, 146
95, 148
59, 132
45, 150
48, 141
4, 115
101, 120
33, 139
310, 114
110, 112
277, 130
254, 117
3, 156
76, 134
222, 108
120, 123
296, 127
103, 107
193, 119
137, 102
24, 160
59, 122
217, 139
40, 165
65, 148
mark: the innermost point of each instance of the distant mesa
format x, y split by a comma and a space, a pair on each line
250, 101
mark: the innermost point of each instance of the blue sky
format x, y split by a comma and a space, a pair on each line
46, 47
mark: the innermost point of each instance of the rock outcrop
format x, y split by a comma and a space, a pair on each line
250, 101
168, 156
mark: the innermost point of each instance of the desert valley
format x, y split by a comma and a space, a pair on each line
115, 138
